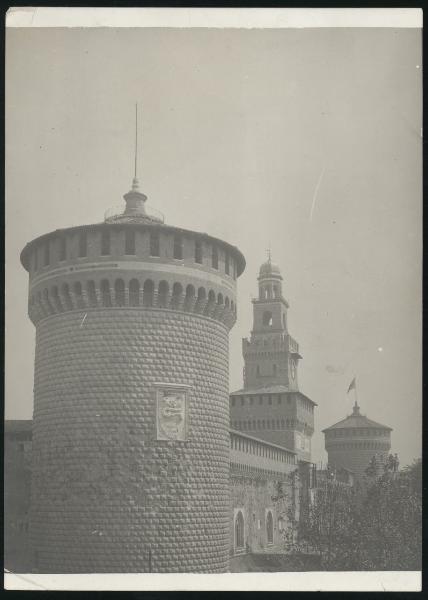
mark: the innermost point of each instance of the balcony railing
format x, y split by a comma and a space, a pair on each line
116, 214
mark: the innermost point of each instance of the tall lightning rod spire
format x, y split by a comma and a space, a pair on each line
135, 184
136, 139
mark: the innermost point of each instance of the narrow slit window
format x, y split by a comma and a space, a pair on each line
198, 252
154, 243
105, 242
214, 258
62, 248
83, 245
178, 247
47, 254
226, 264
129, 241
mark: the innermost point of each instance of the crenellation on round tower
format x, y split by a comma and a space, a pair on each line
131, 264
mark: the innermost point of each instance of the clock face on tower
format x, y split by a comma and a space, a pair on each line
293, 368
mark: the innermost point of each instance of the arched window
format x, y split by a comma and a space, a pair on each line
105, 292
119, 289
178, 247
274, 370
190, 294
177, 292
62, 247
220, 299
129, 241
209, 305
269, 527
134, 292
154, 243
214, 258
226, 264
92, 295
280, 524
148, 292
83, 244
226, 302
67, 297
239, 530
105, 242
275, 291
283, 320
202, 294
198, 251
77, 288
163, 290
267, 318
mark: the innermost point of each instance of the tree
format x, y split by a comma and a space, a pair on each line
374, 527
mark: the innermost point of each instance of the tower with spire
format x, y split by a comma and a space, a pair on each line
132, 319
270, 404
352, 442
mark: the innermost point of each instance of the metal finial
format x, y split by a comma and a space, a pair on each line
269, 253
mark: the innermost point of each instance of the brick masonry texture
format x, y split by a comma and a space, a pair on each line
356, 456
104, 490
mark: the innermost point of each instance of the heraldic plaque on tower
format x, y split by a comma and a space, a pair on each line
171, 413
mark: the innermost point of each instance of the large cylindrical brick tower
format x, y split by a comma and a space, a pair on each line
131, 409
352, 442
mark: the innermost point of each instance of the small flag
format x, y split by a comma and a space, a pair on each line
352, 386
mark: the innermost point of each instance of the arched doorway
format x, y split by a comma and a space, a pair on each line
239, 531
269, 527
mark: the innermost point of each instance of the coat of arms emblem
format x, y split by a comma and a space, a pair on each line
171, 415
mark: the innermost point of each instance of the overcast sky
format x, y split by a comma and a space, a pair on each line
307, 140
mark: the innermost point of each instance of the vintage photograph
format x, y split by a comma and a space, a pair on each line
213, 300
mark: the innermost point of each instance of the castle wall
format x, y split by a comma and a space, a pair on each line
106, 493
17, 479
253, 497
256, 468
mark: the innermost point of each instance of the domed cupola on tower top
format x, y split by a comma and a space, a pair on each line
269, 270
